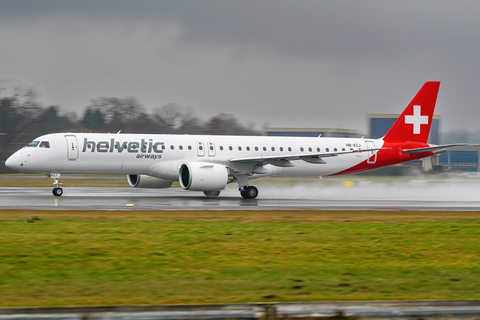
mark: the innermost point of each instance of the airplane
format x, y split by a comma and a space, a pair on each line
209, 162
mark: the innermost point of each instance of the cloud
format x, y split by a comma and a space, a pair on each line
285, 63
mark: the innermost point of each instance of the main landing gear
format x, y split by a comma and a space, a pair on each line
249, 192
246, 191
57, 191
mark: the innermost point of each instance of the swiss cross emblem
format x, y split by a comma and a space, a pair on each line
417, 119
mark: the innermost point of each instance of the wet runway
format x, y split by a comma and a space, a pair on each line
326, 195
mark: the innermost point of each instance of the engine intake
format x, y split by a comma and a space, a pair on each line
144, 181
202, 176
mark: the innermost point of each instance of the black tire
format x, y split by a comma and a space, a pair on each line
209, 194
57, 192
244, 194
252, 192
249, 193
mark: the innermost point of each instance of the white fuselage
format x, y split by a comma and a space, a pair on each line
162, 155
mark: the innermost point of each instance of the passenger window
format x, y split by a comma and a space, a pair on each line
199, 148
256, 148
318, 149
230, 148
281, 148
289, 149
264, 148
301, 149
44, 144
334, 149
221, 147
310, 149
172, 147
211, 147
273, 148
327, 149
343, 149
180, 147
248, 148
189, 147
33, 144
163, 146
239, 148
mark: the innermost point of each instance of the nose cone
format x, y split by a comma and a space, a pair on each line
14, 162
10, 163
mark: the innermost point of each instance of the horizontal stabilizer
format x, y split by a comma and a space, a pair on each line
443, 146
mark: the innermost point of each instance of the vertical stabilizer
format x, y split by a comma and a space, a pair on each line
415, 122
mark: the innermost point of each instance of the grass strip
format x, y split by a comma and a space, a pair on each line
54, 258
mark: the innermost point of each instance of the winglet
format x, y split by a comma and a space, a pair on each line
415, 122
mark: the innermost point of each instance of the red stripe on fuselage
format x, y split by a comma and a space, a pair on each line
388, 157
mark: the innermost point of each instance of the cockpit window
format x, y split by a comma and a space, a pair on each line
33, 144
44, 144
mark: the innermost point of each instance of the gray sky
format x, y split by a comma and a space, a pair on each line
282, 63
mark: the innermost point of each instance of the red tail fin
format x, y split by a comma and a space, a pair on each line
415, 121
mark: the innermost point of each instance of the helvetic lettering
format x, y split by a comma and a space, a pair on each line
85, 143
133, 147
111, 146
102, 146
121, 147
157, 147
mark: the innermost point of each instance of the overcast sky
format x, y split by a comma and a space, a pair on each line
282, 63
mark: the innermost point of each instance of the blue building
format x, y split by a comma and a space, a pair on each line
460, 158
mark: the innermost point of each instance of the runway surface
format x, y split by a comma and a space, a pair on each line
317, 195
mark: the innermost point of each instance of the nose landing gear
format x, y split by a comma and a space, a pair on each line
57, 191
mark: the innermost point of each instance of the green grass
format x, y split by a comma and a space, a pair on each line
134, 257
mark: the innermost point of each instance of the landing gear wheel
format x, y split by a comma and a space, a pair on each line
249, 192
244, 194
57, 192
211, 194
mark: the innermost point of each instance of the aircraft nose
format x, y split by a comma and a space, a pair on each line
9, 162
12, 162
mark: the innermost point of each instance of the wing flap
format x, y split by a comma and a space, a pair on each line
302, 156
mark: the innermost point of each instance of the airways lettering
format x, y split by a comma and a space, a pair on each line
130, 146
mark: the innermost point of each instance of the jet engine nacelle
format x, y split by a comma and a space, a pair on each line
144, 181
202, 176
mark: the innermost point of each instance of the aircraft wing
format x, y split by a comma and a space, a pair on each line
440, 147
313, 157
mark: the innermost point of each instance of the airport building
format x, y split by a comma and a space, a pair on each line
460, 158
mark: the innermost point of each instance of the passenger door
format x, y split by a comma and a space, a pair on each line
72, 147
